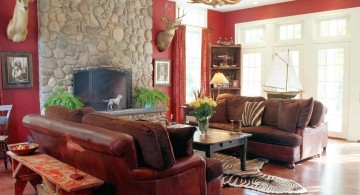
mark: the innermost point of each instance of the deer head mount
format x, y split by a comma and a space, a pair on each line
164, 37
17, 27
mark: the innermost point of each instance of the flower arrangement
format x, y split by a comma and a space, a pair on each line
203, 107
203, 110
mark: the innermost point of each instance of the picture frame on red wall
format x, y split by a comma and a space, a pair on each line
161, 72
16, 70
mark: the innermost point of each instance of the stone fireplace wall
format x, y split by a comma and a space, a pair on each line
84, 34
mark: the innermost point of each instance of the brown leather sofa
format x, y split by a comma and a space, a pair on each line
132, 157
273, 139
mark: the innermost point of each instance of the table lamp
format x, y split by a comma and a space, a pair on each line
218, 79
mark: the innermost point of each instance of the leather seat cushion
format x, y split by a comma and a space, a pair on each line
272, 135
151, 139
214, 169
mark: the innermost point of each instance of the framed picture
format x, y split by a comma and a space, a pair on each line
162, 73
16, 70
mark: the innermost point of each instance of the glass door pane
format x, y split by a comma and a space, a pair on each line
332, 64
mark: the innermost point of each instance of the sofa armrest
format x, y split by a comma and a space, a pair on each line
313, 140
182, 165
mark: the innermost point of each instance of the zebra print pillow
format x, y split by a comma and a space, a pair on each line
252, 114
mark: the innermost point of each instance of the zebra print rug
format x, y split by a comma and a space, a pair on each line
253, 178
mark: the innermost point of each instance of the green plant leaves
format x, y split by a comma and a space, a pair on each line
150, 96
63, 98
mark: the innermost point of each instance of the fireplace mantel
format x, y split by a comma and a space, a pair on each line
152, 114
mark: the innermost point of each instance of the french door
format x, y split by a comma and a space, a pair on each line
333, 85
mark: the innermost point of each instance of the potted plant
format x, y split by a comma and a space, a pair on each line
63, 98
150, 97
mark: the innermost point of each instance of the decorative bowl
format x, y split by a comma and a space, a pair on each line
24, 149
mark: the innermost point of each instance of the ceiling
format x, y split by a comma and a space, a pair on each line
244, 4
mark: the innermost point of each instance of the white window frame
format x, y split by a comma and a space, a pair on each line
193, 12
252, 51
317, 27
278, 26
244, 28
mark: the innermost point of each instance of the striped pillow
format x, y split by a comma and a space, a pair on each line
253, 112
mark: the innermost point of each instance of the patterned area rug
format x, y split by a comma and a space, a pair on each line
253, 178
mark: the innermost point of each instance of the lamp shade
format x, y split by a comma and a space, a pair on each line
218, 79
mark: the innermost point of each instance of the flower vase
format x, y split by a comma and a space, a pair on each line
203, 125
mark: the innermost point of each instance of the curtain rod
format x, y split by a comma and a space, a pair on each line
198, 26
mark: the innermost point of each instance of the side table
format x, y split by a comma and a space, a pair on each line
39, 166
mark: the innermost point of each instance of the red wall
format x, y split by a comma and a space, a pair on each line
217, 25
158, 25
24, 101
283, 9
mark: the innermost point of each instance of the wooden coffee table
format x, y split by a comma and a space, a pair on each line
216, 140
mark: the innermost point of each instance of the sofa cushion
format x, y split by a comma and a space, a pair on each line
253, 112
235, 106
64, 113
214, 169
87, 110
288, 116
181, 137
318, 114
151, 139
270, 116
273, 135
220, 112
306, 109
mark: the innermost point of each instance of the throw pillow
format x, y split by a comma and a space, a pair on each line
220, 112
253, 112
181, 138
306, 109
270, 117
288, 116
318, 114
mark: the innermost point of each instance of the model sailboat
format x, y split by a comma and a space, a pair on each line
282, 80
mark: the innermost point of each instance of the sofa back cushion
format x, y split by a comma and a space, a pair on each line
306, 109
272, 107
235, 104
318, 114
288, 116
151, 139
220, 112
270, 116
67, 114
253, 113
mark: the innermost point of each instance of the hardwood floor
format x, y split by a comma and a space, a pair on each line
336, 172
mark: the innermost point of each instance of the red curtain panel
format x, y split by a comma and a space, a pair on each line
205, 52
179, 78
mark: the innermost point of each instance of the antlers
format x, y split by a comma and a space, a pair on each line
177, 20
216, 2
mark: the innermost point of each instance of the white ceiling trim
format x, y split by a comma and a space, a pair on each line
243, 4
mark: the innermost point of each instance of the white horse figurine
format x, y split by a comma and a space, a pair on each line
17, 27
114, 103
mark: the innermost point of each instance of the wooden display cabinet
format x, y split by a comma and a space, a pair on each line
226, 59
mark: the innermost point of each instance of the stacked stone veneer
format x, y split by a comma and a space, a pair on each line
84, 34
